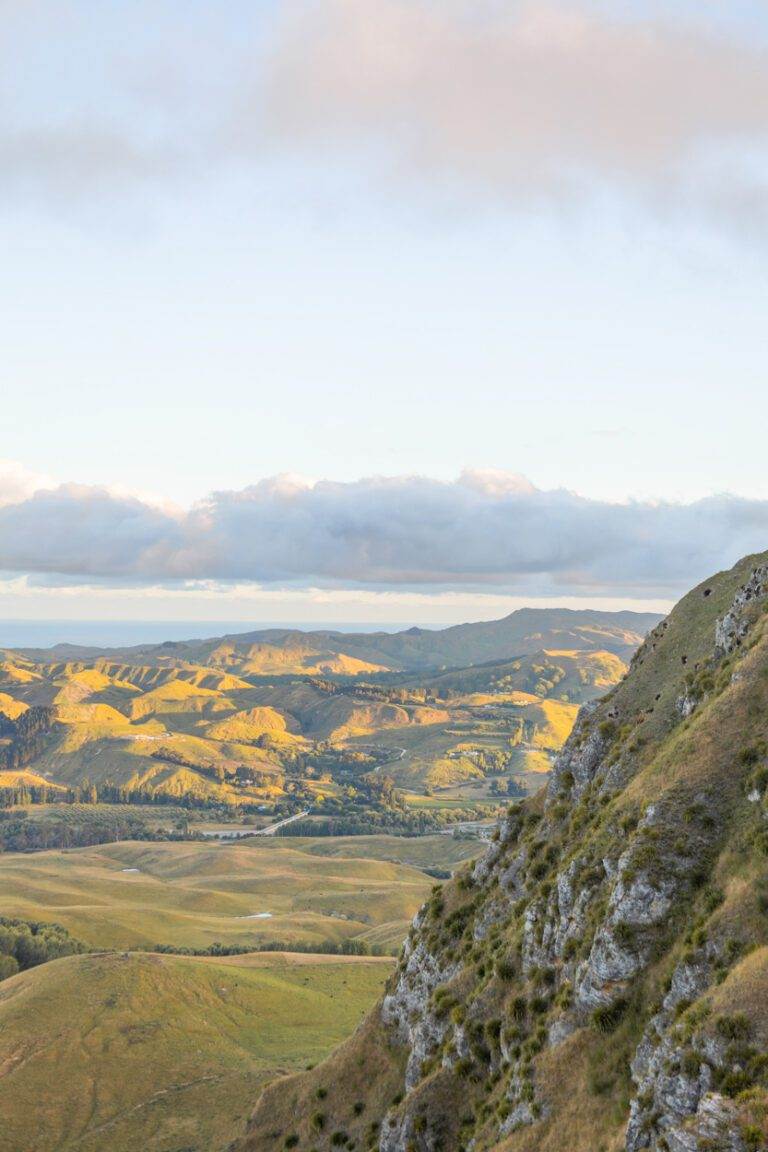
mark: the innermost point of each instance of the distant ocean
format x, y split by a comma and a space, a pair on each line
124, 633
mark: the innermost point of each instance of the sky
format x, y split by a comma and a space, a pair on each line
379, 310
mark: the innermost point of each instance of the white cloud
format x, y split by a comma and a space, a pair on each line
485, 530
17, 482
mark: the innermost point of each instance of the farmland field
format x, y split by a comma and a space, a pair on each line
268, 890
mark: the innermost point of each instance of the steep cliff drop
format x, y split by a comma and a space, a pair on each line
598, 980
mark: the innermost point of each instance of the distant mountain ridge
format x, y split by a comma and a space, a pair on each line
291, 651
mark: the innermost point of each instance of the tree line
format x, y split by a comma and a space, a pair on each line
28, 736
27, 943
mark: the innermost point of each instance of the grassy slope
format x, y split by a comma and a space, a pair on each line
122, 1052
574, 676
705, 828
192, 894
418, 851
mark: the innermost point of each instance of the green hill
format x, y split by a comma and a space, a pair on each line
598, 981
163, 1053
191, 894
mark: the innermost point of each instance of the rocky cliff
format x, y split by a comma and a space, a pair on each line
598, 980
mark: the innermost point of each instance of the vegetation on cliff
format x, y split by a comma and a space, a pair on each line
598, 980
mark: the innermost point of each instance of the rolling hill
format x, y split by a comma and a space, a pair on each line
268, 890
243, 720
125, 1051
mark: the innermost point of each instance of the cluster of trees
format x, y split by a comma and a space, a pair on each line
23, 795
28, 737
492, 761
374, 790
396, 695
324, 947
410, 822
81, 828
509, 787
20, 834
25, 944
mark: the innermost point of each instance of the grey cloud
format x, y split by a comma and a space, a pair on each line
83, 159
485, 529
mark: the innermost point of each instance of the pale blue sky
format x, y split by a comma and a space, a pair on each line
229, 253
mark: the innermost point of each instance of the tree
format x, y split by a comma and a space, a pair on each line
9, 966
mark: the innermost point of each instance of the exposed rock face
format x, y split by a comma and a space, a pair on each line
555, 944
548, 928
675, 1101
714, 1126
669, 1091
406, 1009
614, 960
575, 767
731, 629
686, 704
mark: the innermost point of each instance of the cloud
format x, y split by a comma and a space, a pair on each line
486, 529
81, 159
18, 483
520, 98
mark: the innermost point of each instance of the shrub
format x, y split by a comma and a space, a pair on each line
519, 1008
713, 898
9, 966
733, 1082
753, 1138
493, 1029
752, 755
505, 968
571, 948
735, 1027
608, 1016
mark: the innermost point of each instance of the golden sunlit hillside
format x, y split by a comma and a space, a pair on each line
325, 724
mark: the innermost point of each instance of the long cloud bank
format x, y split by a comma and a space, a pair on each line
485, 529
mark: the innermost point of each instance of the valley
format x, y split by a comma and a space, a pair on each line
368, 732
234, 838
269, 891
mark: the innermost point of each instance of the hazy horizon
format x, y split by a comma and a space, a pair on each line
47, 633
